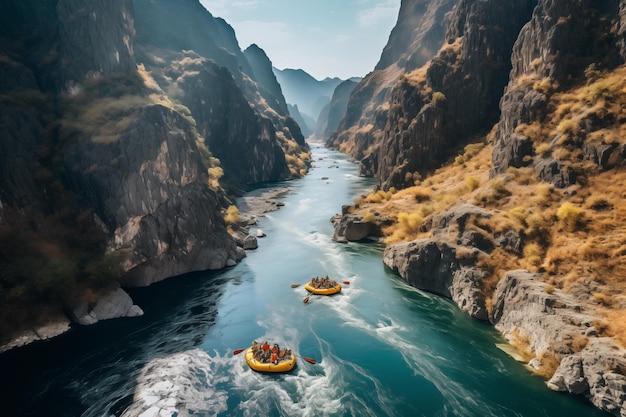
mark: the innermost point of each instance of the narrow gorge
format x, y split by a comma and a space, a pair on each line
490, 142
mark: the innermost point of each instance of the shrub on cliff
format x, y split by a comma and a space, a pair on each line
571, 217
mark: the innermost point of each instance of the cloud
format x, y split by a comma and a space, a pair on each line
384, 11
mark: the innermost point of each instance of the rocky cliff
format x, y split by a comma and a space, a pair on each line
264, 76
109, 150
435, 110
521, 226
331, 114
188, 75
416, 38
554, 52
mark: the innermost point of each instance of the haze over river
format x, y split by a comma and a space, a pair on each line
382, 348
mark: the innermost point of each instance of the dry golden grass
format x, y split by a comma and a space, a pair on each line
565, 254
616, 319
549, 363
231, 215
521, 343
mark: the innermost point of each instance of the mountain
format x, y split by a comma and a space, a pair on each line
500, 157
126, 126
301, 89
332, 112
305, 122
192, 69
264, 76
416, 38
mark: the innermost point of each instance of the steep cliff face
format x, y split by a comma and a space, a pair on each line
186, 25
306, 123
245, 142
553, 53
150, 188
332, 113
416, 38
264, 76
545, 243
250, 143
437, 109
106, 175
94, 39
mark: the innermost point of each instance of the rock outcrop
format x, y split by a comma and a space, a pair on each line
551, 326
555, 324
154, 198
416, 38
445, 263
353, 228
115, 304
55, 327
465, 81
556, 46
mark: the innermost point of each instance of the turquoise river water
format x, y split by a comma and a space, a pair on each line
382, 348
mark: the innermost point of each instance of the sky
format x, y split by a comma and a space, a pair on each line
325, 38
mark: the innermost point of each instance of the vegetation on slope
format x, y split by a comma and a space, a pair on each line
60, 257
575, 236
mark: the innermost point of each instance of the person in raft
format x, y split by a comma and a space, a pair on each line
263, 353
323, 282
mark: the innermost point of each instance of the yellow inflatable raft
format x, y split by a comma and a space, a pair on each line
322, 291
283, 366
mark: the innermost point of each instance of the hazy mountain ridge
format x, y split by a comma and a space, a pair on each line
302, 89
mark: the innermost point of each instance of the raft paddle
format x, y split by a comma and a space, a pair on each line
306, 299
238, 351
309, 360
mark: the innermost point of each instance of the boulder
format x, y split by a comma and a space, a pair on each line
115, 304
352, 228
556, 323
434, 266
456, 218
244, 240
597, 372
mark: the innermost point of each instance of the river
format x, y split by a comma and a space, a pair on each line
382, 348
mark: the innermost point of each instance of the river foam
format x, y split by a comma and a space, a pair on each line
181, 385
